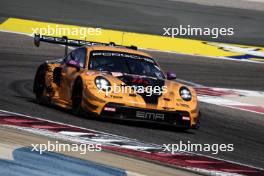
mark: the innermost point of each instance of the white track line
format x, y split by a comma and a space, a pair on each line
51, 134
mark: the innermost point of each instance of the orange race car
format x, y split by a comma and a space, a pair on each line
109, 80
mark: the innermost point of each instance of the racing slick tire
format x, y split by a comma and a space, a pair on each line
39, 87
77, 96
198, 124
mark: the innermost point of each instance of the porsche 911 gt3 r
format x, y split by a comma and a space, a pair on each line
87, 80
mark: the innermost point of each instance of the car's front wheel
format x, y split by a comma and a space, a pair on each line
77, 92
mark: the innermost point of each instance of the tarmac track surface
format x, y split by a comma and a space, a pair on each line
19, 59
144, 16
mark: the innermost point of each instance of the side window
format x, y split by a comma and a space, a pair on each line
79, 55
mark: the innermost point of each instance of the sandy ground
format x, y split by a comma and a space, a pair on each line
11, 139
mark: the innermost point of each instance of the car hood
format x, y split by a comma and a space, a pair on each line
168, 98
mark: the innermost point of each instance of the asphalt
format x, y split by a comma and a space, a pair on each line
19, 59
214, 72
145, 16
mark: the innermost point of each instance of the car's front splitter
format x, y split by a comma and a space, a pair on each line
176, 118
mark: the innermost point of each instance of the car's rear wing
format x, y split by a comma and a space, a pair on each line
72, 42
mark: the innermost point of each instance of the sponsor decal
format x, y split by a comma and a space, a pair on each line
89, 73
120, 54
185, 118
111, 109
150, 115
185, 105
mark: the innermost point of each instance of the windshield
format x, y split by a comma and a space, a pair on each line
125, 63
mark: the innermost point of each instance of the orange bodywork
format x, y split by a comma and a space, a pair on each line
94, 101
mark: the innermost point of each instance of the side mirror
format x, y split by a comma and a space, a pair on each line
171, 75
74, 63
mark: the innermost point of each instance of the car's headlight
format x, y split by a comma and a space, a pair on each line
102, 83
185, 94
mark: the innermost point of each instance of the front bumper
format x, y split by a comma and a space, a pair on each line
179, 119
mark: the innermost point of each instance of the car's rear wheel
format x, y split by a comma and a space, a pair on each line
77, 92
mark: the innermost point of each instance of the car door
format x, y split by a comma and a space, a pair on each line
70, 71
